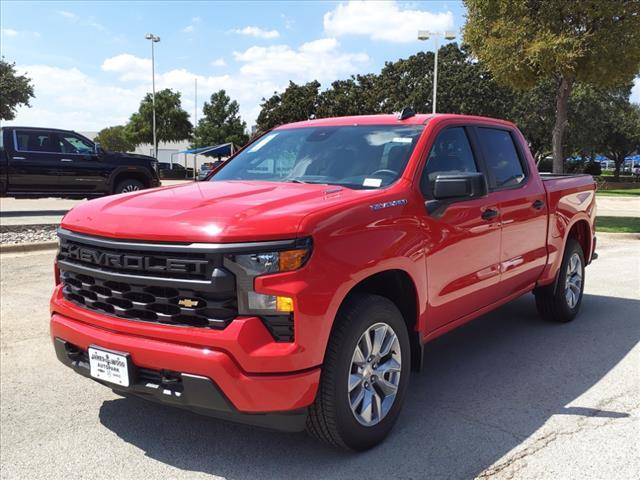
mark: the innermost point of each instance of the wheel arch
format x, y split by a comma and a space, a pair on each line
397, 286
124, 173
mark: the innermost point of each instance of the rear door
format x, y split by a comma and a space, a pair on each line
463, 239
34, 164
521, 202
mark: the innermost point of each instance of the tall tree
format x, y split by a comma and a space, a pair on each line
523, 42
623, 135
296, 103
15, 90
358, 95
172, 121
117, 139
221, 122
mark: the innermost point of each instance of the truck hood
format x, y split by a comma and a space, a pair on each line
225, 211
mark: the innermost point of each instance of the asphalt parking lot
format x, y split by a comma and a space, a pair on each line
507, 396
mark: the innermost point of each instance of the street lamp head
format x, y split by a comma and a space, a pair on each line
423, 35
449, 35
152, 37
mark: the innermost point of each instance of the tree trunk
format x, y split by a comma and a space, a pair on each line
562, 107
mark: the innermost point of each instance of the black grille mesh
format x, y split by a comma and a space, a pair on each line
136, 301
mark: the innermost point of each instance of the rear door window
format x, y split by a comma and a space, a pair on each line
36, 141
450, 153
501, 157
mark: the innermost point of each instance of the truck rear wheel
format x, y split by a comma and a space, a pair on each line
563, 303
364, 376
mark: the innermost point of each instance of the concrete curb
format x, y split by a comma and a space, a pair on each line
28, 247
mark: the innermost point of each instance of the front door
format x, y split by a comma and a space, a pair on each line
463, 239
80, 167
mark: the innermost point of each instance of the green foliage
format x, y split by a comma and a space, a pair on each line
296, 103
622, 137
524, 42
221, 122
117, 139
172, 121
15, 90
618, 224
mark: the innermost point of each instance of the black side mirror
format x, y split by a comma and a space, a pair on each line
97, 149
460, 186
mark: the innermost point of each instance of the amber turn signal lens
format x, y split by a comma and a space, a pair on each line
292, 259
284, 304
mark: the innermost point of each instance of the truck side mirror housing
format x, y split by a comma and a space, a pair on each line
97, 149
460, 186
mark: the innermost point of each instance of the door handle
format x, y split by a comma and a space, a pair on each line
489, 214
66, 160
18, 158
538, 205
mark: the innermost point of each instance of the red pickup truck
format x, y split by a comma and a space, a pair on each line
296, 287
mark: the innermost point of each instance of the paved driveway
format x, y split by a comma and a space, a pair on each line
507, 396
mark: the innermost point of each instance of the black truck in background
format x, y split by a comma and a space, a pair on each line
51, 162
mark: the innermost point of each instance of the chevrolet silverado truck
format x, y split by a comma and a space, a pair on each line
297, 286
37, 162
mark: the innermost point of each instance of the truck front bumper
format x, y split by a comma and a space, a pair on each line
207, 381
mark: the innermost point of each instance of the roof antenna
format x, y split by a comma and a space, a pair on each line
405, 113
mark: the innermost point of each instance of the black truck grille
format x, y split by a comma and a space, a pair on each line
133, 281
137, 301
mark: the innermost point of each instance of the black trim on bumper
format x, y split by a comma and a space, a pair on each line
191, 392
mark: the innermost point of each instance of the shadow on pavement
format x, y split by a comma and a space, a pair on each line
486, 387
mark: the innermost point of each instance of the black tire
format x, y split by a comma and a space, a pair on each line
128, 185
330, 417
552, 303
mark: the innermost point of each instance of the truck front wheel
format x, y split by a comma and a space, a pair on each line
364, 376
128, 185
563, 303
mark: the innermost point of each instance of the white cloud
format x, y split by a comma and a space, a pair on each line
319, 59
69, 15
70, 98
383, 20
9, 32
188, 29
257, 32
196, 20
129, 66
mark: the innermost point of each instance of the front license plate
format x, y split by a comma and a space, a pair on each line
109, 366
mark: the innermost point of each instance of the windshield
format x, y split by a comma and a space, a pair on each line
366, 156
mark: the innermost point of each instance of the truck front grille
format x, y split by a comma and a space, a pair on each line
136, 301
170, 284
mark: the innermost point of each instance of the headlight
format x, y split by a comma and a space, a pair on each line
247, 267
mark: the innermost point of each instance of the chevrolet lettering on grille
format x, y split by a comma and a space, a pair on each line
135, 262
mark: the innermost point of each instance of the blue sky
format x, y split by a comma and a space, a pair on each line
91, 65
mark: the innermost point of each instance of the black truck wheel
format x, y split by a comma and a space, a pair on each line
562, 303
365, 375
128, 185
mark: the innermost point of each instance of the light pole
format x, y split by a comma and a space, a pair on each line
425, 35
154, 39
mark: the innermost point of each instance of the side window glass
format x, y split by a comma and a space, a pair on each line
501, 157
73, 144
451, 153
36, 141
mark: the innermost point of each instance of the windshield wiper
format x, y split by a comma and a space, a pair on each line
295, 180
